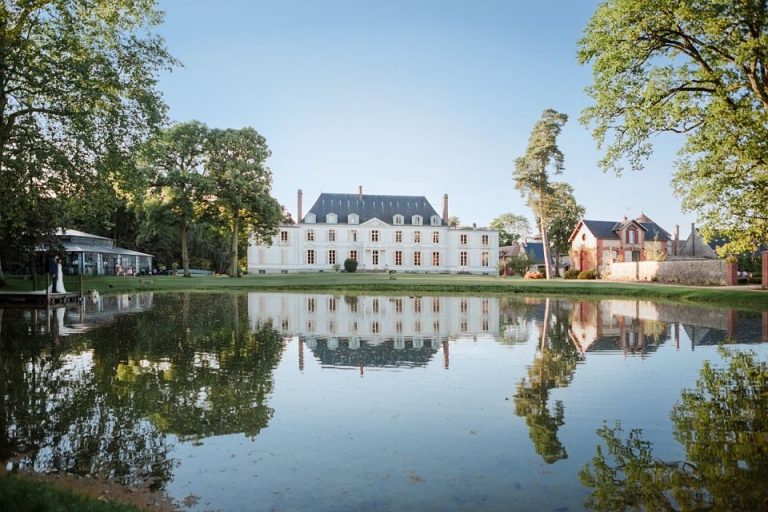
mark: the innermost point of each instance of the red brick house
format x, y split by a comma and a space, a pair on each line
595, 243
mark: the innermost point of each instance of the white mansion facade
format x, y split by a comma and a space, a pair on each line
401, 233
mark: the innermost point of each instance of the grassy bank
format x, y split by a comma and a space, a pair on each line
747, 297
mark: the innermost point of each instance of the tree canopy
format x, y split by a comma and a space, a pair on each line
695, 68
511, 228
77, 93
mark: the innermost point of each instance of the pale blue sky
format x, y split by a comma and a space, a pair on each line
408, 97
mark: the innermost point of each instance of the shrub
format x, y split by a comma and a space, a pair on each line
588, 274
350, 265
534, 275
571, 274
336, 267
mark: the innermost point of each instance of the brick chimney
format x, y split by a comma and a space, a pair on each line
298, 207
445, 209
360, 192
677, 239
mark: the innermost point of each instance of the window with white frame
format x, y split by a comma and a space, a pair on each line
310, 235
417, 258
398, 237
435, 237
284, 236
310, 256
332, 257
417, 237
332, 235
310, 218
463, 258
398, 258
485, 259
374, 235
331, 218
353, 218
435, 259
353, 235
435, 220
353, 255
416, 220
484, 240
463, 239
398, 220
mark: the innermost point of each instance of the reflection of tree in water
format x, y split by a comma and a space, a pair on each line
189, 367
723, 426
553, 367
515, 315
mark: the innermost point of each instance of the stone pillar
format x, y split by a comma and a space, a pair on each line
299, 212
765, 270
731, 267
732, 319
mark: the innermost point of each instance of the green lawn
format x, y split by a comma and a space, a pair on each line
746, 298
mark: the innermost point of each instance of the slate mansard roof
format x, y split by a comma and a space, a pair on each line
608, 229
368, 207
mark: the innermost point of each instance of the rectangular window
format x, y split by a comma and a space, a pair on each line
284, 236
375, 306
486, 306
417, 258
398, 326
463, 326
417, 326
332, 257
375, 257
398, 258
310, 256
417, 305
631, 236
375, 327
285, 324
310, 326
436, 326
353, 307
463, 305
463, 239
485, 258
398, 305
331, 327
484, 240
353, 255
398, 237
463, 258
435, 305
310, 235
310, 304
374, 235
435, 259
332, 304
435, 237
417, 237
353, 235
332, 235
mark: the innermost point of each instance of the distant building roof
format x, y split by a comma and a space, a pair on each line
608, 229
369, 206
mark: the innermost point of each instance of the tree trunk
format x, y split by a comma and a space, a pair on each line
233, 270
1, 270
544, 237
184, 252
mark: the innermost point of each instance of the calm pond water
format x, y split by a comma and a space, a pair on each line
317, 402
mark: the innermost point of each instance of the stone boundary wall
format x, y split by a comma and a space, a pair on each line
678, 271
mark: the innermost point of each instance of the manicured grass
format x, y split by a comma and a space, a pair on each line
331, 282
22, 494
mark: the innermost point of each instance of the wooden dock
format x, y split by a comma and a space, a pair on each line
38, 299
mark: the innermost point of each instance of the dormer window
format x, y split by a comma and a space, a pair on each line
416, 220
435, 220
331, 218
353, 218
310, 218
398, 220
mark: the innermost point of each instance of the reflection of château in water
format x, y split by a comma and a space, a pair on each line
641, 326
376, 331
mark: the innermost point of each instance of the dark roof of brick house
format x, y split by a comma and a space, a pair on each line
608, 229
369, 206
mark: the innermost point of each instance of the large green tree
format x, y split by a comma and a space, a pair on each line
77, 93
692, 67
564, 214
511, 227
176, 158
532, 171
242, 184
